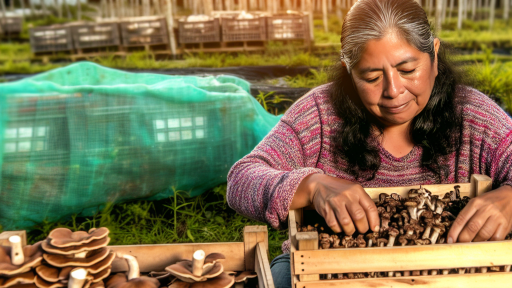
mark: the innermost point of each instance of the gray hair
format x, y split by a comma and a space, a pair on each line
374, 19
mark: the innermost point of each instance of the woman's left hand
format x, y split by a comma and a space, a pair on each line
486, 217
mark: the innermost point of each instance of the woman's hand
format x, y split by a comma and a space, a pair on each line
344, 204
486, 217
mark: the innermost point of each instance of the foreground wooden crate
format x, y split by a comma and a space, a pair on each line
307, 262
250, 255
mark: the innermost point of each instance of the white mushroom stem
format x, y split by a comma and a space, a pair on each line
80, 255
462, 270
77, 278
133, 267
426, 234
483, 270
435, 234
434, 272
424, 272
507, 268
390, 274
17, 257
407, 273
198, 262
472, 270
398, 274
412, 212
446, 271
329, 276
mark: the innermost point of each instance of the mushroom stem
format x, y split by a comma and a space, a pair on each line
391, 273
329, 276
80, 255
507, 268
434, 272
133, 267
77, 278
472, 270
407, 273
462, 270
446, 271
17, 257
198, 262
424, 273
483, 270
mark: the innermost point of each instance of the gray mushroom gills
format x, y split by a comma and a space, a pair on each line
17, 257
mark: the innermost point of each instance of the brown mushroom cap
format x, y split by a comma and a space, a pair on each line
21, 279
92, 258
93, 245
41, 283
63, 237
245, 275
222, 281
183, 271
121, 281
33, 257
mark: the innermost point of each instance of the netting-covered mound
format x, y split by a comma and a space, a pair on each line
75, 138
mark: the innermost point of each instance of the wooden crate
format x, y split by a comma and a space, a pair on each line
288, 27
307, 262
89, 36
55, 38
250, 255
144, 31
237, 30
199, 31
11, 25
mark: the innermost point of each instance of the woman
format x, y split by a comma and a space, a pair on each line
394, 115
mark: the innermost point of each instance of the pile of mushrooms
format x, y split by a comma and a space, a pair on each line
75, 259
17, 264
419, 219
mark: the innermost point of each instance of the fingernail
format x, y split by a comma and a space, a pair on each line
377, 228
450, 240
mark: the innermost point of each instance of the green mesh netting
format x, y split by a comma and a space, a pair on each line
75, 138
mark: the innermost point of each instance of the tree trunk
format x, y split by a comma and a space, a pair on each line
339, 13
309, 9
459, 19
439, 13
492, 12
287, 5
170, 28
430, 7
145, 8
329, 5
68, 12
111, 8
451, 8
325, 16
506, 10
78, 10
2, 7
22, 6
207, 6
473, 10
58, 6
32, 9
157, 7
445, 8
302, 5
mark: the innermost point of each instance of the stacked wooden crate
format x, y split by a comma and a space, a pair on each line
51, 39
91, 37
149, 33
308, 262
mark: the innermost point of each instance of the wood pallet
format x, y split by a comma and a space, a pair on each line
307, 262
250, 255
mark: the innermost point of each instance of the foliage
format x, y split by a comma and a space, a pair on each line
178, 219
494, 78
313, 79
270, 103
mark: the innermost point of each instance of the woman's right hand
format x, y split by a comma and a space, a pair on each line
343, 204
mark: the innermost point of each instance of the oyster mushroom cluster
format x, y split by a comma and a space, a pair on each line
17, 264
419, 219
203, 271
75, 259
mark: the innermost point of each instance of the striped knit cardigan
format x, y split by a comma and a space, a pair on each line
262, 184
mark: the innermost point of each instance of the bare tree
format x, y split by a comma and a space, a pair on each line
339, 13
506, 10
145, 8
22, 6
68, 12
439, 13
492, 12
287, 5
111, 8
473, 10
58, 7
309, 9
170, 23
445, 9
451, 8
2, 6
208, 7
461, 12
325, 16
79, 10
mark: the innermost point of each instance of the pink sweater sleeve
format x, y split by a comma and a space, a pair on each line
262, 184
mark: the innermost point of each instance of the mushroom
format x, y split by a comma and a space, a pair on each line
360, 241
20, 279
76, 250
32, 256
372, 237
325, 241
335, 241
132, 278
244, 276
348, 241
63, 237
402, 240
438, 229
381, 242
211, 269
412, 207
429, 222
385, 217
405, 214
92, 257
392, 235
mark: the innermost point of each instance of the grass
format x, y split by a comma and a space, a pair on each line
178, 219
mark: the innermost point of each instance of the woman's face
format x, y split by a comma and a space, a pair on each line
394, 79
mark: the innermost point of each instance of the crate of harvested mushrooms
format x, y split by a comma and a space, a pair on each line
409, 250
83, 260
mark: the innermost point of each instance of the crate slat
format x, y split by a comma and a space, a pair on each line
497, 279
157, 257
406, 258
262, 266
